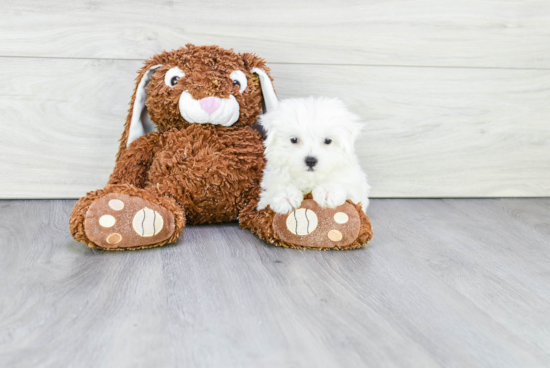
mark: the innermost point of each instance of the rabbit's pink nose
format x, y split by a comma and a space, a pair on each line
210, 104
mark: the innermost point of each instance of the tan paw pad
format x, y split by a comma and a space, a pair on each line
114, 238
335, 235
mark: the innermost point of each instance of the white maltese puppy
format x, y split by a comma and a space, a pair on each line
310, 148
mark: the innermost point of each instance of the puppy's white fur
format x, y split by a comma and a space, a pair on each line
336, 176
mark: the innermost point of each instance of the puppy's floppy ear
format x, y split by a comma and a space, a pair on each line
137, 121
350, 124
268, 120
354, 127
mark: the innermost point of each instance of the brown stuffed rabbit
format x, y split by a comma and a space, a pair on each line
189, 153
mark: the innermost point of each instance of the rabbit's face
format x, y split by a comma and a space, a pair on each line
204, 85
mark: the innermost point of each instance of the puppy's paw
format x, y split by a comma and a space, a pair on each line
365, 205
330, 195
286, 201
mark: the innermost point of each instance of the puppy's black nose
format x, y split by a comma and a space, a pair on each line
311, 161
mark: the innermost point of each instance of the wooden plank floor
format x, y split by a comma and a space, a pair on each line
444, 283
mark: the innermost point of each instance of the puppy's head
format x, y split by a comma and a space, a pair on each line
198, 85
310, 136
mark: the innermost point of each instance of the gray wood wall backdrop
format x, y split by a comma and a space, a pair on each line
456, 95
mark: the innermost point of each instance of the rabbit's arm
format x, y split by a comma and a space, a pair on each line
134, 163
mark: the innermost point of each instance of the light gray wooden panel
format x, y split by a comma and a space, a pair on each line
61, 122
441, 132
430, 132
444, 283
510, 33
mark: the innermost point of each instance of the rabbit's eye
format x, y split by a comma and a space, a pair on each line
172, 76
293, 140
328, 141
239, 79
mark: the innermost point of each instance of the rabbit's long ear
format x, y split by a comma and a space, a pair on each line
137, 121
268, 92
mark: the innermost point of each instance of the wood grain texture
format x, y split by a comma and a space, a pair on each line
481, 33
444, 283
430, 132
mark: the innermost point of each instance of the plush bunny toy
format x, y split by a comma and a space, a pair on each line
189, 153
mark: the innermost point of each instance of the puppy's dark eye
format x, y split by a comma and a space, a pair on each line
174, 80
328, 141
293, 140
237, 83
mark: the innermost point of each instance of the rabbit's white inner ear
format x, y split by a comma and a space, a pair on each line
141, 124
270, 98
